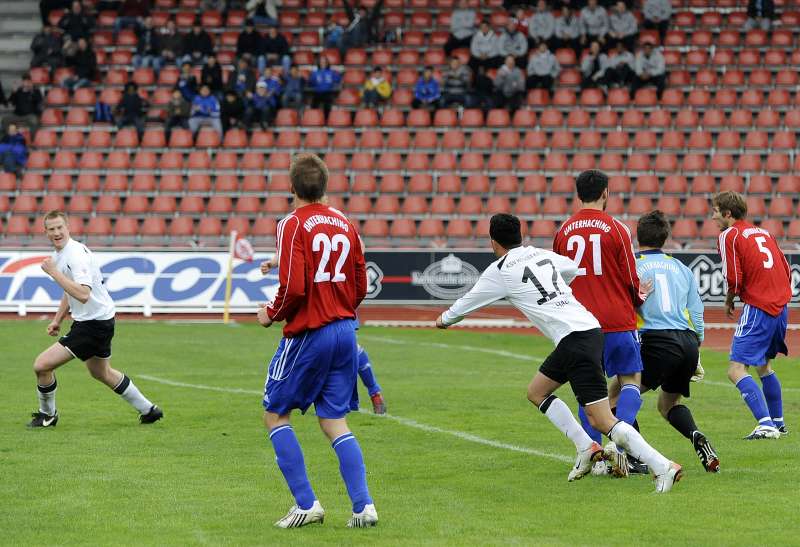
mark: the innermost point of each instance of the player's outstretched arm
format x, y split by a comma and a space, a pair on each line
75, 290
489, 288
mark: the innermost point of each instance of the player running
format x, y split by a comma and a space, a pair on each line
536, 282
756, 270
89, 338
607, 284
323, 279
671, 330
364, 365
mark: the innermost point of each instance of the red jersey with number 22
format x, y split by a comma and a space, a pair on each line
323, 277
607, 283
755, 267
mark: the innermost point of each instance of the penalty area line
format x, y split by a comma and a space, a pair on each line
397, 419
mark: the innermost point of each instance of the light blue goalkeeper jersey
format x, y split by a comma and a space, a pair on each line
675, 301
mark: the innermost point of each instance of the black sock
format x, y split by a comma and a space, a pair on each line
635, 423
681, 419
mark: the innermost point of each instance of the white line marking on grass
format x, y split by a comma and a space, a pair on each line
399, 419
491, 351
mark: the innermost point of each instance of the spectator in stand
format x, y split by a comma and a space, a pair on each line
276, 50
187, 83
543, 69
541, 25
462, 27
509, 83
513, 42
171, 44
197, 45
362, 26
84, 62
332, 33
651, 70
130, 109
294, 89
211, 75
13, 150
619, 71
594, 23
622, 27
205, 111
242, 80
657, 14
47, 6
377, 89
131, 14
455, 83
568, 31
760, 14
46, 48
232, 111
272, 78
76, 24
250, 45
178, 110
427, 91
27, 102
260, 107
484, 48
483, 94
263, 12
148, 47
324, 83
593, 66
523, 23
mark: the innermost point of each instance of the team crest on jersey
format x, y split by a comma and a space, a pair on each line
374, 278
447, 279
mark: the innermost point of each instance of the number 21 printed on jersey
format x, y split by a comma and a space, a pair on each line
579, 243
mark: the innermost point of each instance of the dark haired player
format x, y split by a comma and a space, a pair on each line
536, 282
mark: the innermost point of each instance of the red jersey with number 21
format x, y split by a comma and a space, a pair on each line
323, 277
607, 283
755, 267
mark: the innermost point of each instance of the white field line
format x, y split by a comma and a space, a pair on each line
500, 352
399, 419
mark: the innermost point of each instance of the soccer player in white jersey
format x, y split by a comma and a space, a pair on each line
89, 339
536, 282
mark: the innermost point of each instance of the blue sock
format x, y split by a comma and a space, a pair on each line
289, 456
629, 403
587, 427
354, 473
365, 372
772, 393
755, 400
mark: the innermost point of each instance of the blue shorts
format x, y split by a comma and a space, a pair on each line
621, 353
759, 336
319, 366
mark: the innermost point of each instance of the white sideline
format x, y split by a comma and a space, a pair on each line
502, 353
399, 419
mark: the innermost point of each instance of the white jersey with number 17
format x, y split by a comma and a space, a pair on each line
536, 282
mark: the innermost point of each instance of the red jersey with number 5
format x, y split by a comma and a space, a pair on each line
321, 268
607, 283
755, 267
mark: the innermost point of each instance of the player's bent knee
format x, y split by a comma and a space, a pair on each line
764, 370
736, 371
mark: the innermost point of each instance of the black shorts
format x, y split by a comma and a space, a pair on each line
670, 359
578, 359
87, 339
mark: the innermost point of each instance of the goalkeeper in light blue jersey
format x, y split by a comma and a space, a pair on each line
671, 330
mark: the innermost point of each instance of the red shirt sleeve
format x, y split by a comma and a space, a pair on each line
291, 270
627, 262
361, 274
731, 260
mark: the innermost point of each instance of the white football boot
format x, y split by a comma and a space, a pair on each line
297, 517
366, 518
764, 432
618, 460
584, 462
667, 480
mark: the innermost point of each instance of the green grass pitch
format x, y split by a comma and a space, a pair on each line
206, 474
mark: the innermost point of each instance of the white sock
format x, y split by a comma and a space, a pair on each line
630, 439
560, 415
128, 391
47, 398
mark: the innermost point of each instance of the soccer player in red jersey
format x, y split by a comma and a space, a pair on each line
757, 271
608, 285
322, 280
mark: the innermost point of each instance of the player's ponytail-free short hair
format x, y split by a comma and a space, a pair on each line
309, 177
505, 230
730, 201
652, 229
591, 184
52, 215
